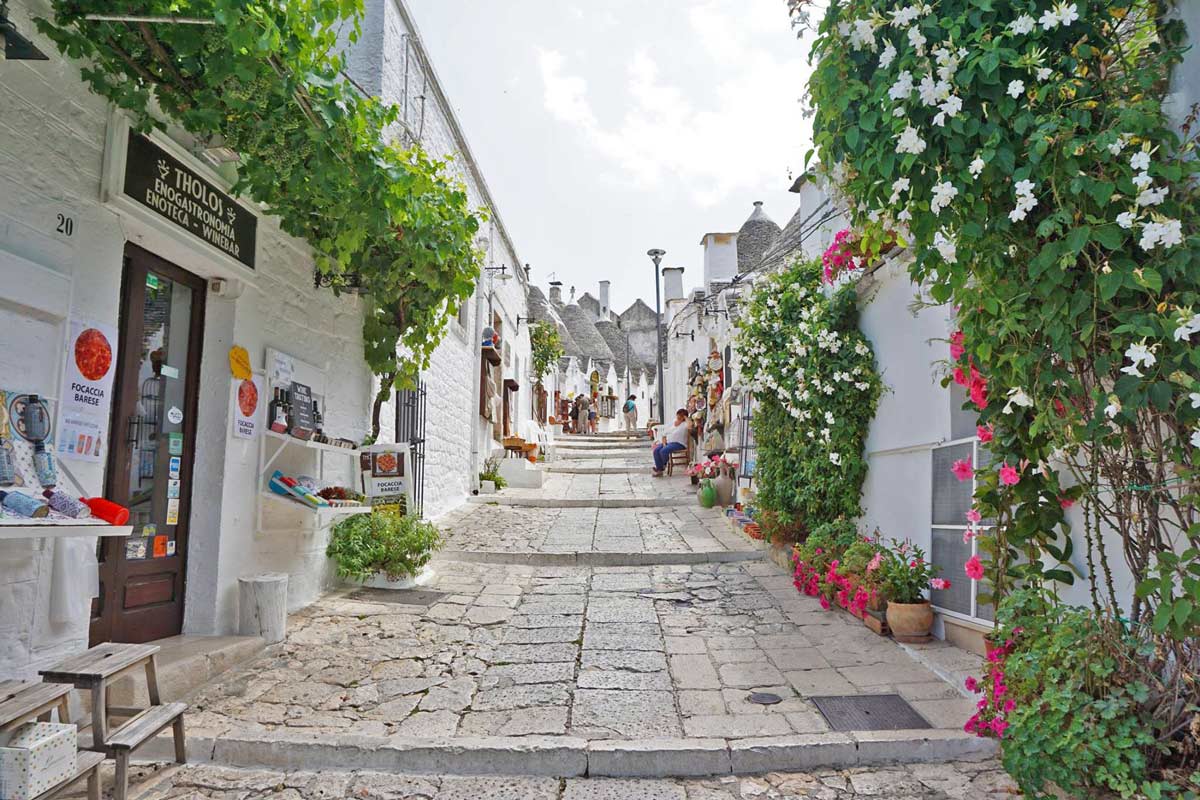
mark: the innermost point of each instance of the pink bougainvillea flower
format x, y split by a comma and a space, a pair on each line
876, 562
1009, 475
985, 432
1065, 502
973, 516
962, 469
940, 584
978, 390
825, 602
968, 535
956, 345
960, 377
1009, 705
999, 726
972, 684
974, 568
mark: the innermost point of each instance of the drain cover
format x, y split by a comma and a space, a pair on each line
869, 712
764, 698
405, 597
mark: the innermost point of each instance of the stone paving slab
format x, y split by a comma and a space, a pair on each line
976, 780
624, 486
591, 536
528, 669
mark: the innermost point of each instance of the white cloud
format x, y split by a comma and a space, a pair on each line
729, 122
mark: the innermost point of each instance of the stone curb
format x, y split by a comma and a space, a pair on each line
571, 757
581, 502
599, 559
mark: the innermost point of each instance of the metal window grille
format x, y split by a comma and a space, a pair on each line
410, 427
951, 499
748, 448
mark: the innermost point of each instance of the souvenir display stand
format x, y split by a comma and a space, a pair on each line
36, 315
276, 513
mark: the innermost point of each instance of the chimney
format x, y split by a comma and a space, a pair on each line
604, 299
672, 283
556, 292
572, 294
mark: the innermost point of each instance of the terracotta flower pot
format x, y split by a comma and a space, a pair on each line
910, 622
724, 486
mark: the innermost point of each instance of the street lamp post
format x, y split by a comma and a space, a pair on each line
656, 256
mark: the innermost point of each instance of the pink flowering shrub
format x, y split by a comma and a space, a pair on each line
840, 255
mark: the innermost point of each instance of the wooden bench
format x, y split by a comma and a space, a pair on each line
93, 671
25, 701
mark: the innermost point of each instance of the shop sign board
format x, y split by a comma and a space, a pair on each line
166, 186
385, 476
247, 406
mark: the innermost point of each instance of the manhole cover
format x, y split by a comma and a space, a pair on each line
404, 597
764, 698
869, 712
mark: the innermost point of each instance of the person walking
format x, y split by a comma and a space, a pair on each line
594, 415
675, 439
582, 425
575, 415
630, 411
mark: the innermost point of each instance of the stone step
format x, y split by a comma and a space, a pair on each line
502, 499
596, 558
578, 469
570, 757
622, 446
184, 664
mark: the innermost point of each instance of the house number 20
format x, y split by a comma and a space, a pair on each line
66, 225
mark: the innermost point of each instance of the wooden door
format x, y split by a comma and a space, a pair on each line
153, 445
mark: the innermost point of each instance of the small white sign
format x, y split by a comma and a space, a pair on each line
87, 391
174, 415
247, 402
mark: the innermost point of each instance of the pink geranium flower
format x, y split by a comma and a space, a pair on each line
824, 602
962, 469
968, 535
978, 390
1065, 502
960, 377
974, 568
876, 562
956, 345
940, 584
1009, 475
999, 726
973, 516
972, 684
985, 432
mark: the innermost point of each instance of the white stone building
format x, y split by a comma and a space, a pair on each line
78, 247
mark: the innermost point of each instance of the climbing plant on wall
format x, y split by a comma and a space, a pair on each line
1023, 149
267, 80
546, 347
813, 375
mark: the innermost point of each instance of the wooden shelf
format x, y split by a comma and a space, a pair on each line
11, 528
309, 444
324, 512
491, 355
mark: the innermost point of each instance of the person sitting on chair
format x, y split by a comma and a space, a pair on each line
676, 439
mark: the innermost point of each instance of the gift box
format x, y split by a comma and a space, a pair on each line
35, 757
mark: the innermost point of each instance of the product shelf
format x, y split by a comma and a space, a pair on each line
308, 445
18, 528
325, 512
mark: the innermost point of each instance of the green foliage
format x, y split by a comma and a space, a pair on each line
827, 541
814, 379
491, 472
364, 545
267, 81
1078, 716
906, 574
547, 348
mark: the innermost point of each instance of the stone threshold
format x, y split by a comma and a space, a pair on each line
581, 502
593, 558
572, 757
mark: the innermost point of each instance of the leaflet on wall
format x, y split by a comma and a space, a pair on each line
247, 406
87, 391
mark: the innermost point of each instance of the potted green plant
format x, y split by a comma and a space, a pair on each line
490, 479
383, 550
906, 579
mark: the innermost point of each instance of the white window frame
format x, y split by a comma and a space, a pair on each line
979, 529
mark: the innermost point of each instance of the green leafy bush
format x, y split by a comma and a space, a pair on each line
491, 472
364, 545
814, 379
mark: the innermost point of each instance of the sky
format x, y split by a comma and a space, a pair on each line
608, 127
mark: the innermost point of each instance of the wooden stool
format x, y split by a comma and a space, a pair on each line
94, 670
24, 701
679, 457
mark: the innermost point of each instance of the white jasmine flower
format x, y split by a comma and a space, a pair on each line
1114, 406
939, 119
904, 216
1126, 219
898, 186
902, 88
1152, 197
835, 459
1168, 233
943, 194
863, 35
1195, 440
1189, 324
951, 105
976, 167
1195, 398
903, 17
887, 56
1043, 73
1068, 13
1142, 180
1025, 201
910, 142
1116, 147
1016, 88
917, 40
843, 29
1140, 161
946, 247
1017, 397
1048, 20
1139, 356
931, 91
1022, 25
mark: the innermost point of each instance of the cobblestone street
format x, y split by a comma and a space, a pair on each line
567, 640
